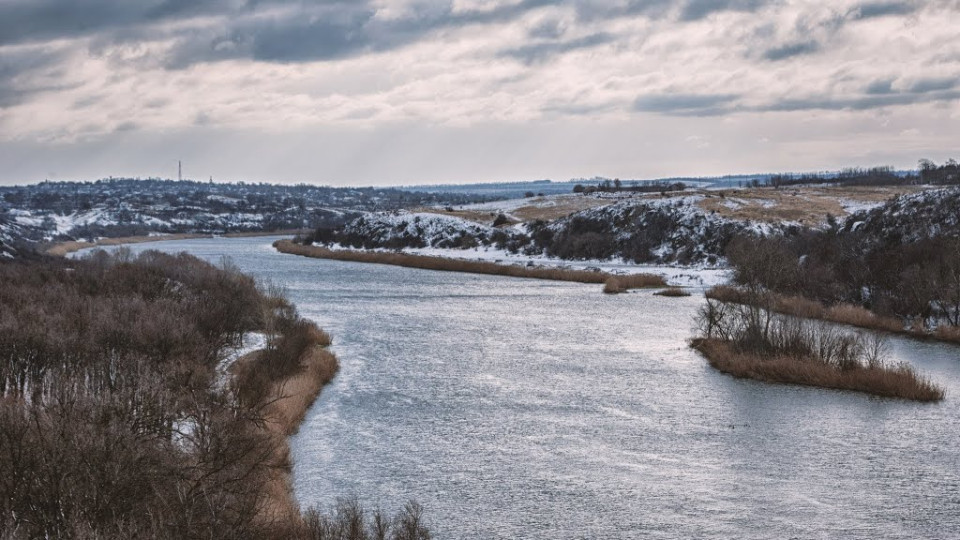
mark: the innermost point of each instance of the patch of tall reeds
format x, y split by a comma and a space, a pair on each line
447, 264
748, 341
623, 283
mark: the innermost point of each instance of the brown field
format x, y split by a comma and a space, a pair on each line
454, 265
805, 204
483, 217
556, 207
808, 205
898, 382
61, 249
545, 208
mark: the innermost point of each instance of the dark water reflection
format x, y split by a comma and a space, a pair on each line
525, 409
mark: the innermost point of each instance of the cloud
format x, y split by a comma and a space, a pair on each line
25, 72
330, 31
791, 50
857, 103
697, 9
270, 66
934, 84
685, 104
24, 21
538, 52
880, 86
872, 10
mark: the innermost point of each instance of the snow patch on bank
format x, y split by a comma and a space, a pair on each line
251, 341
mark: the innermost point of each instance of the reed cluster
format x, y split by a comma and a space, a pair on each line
622, 283
749, 341
447, 264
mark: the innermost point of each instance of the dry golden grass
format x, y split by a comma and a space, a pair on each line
862, 317
623, 283
809, 205
294, 395
948, 333
898, 382
545, 208
455, 265
286, 406
556, 207
483, 217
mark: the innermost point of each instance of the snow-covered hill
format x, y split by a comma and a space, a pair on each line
640, 230
909, 218
53, 211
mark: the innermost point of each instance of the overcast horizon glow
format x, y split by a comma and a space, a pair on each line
390, 92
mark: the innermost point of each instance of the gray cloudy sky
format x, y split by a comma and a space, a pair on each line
426, 91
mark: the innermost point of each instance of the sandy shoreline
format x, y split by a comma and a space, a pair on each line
61, 249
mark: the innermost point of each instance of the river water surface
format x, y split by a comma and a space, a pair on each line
513, 408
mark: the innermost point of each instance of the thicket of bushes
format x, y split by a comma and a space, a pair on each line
642, 232
748, 340
916, 280
111, 424
928, 173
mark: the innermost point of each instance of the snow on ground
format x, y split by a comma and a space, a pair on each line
68, 222
251, 341
850, 206
680, 276
513, 204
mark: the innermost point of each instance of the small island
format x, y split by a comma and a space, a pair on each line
750, 341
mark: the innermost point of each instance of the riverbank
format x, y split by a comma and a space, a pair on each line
426, 262
284, 403
119, 377
61, 249
848, 314
899, 382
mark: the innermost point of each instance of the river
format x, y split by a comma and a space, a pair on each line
513, 408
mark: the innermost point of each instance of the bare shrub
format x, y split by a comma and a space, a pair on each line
798, 306
896, 382
349, 521
747, 341
111, 425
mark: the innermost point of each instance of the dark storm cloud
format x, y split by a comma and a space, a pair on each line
698, 9
686, 104
859, 103
882, 86
883, 9
539, 52
924, 86
26, 72
39, 20
327, 32
791, 50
